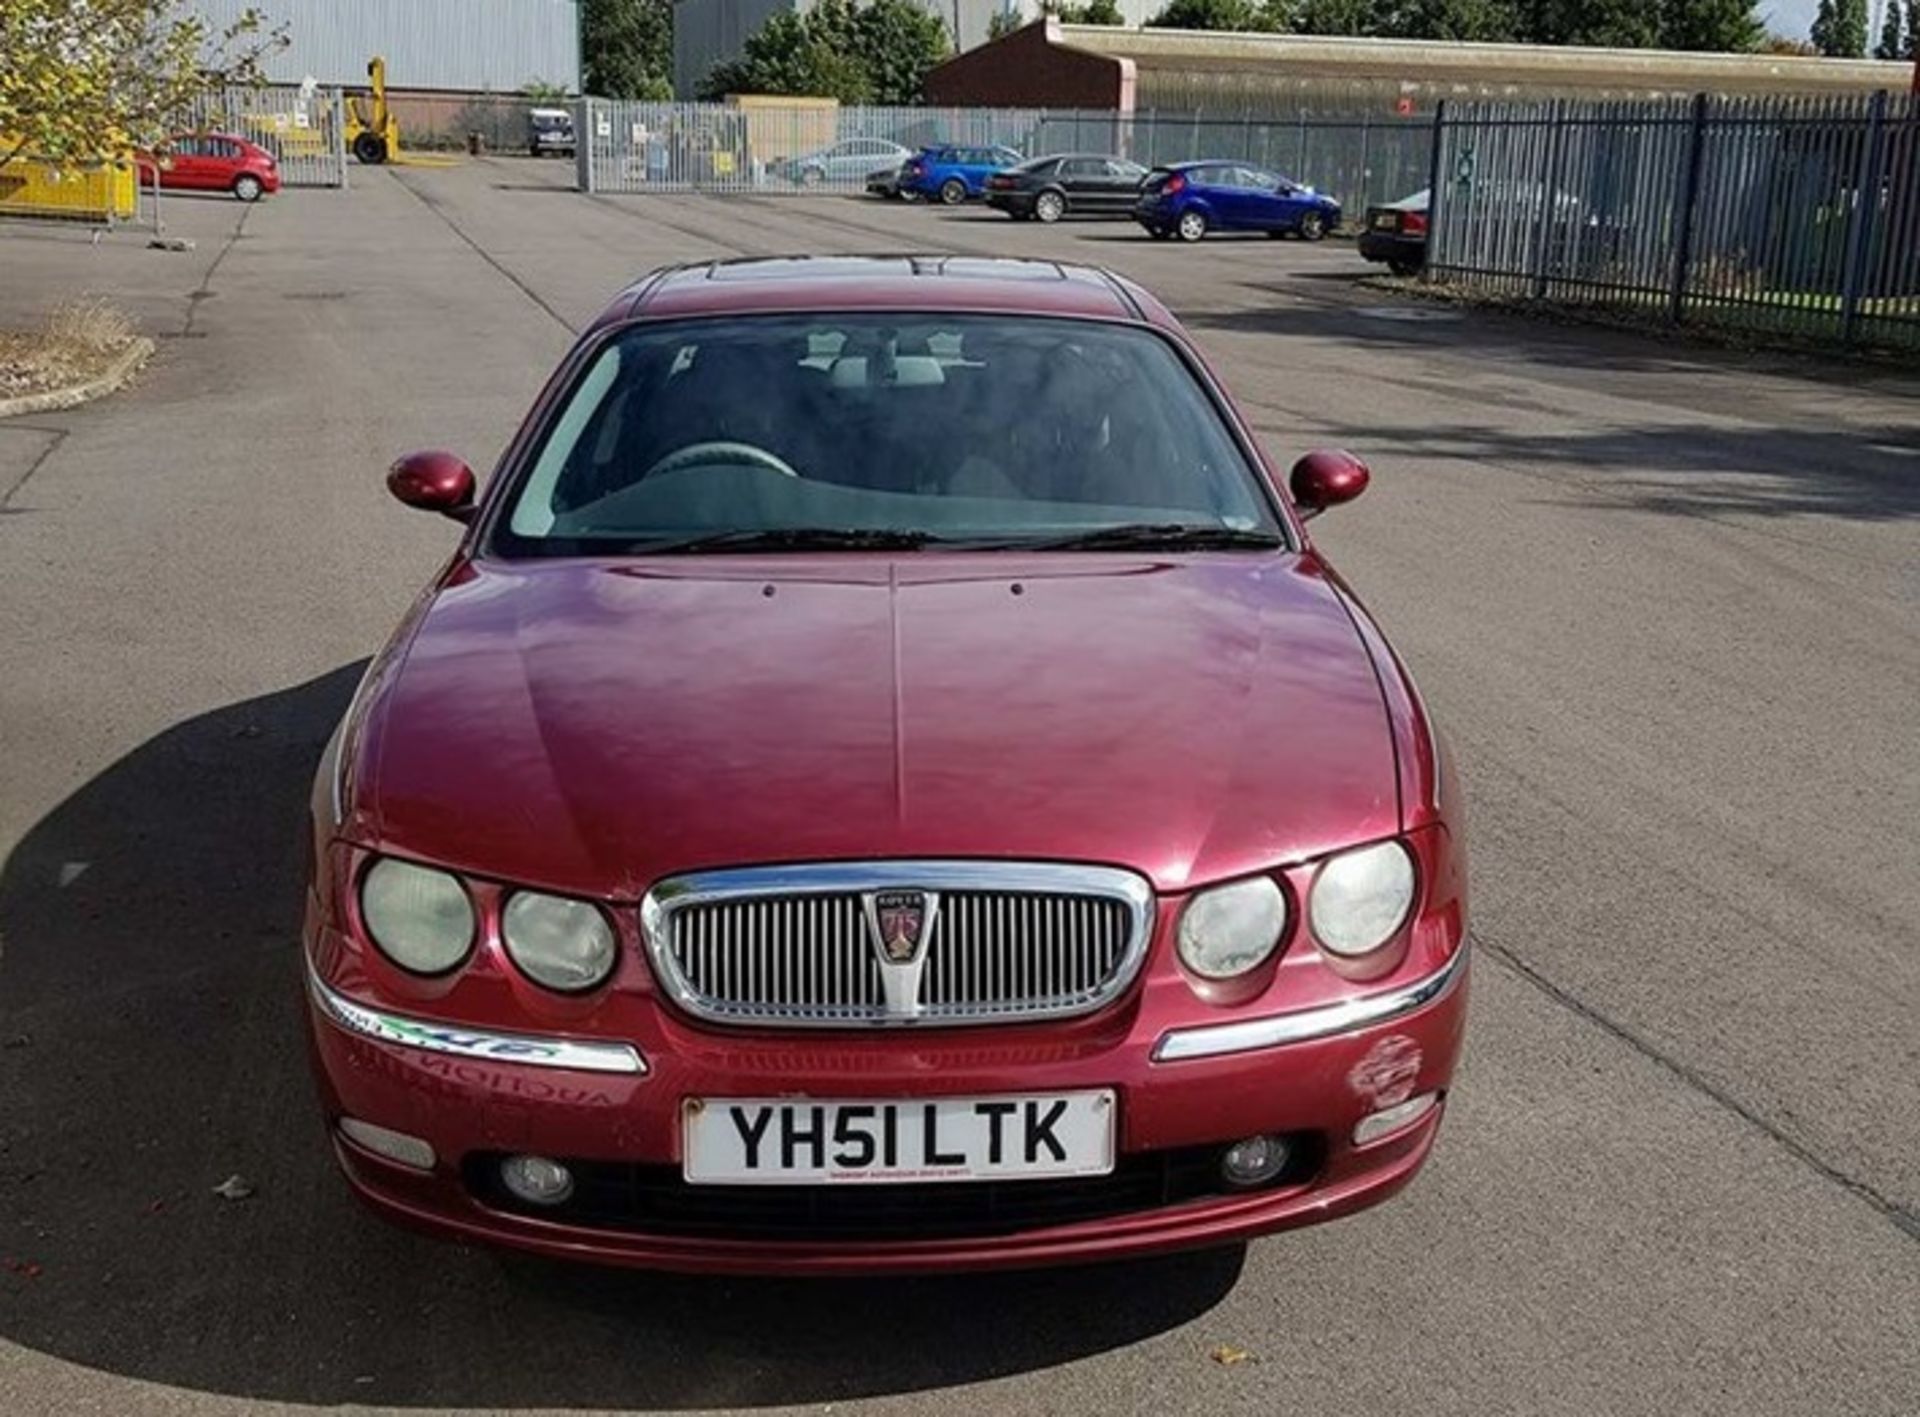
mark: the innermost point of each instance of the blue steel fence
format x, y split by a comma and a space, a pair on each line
1779, 215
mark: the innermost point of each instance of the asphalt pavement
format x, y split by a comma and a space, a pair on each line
1664, 599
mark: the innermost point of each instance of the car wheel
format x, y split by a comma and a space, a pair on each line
1404, 269
247, 187
811, 176
1191, 226
1049, 207
953, 192
1312, 226
370, 148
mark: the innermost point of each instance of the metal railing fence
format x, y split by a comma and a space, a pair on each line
304, 129
721, 148
1781, 215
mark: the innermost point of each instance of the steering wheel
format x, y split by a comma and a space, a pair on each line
699, 454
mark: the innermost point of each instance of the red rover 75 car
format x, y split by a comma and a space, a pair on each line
885, 782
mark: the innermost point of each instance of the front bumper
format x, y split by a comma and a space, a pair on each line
472, 1094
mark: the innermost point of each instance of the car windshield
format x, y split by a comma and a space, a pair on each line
993, 430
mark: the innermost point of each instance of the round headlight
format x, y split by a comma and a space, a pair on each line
420, 918
1229, 930
563, 944
1361, 897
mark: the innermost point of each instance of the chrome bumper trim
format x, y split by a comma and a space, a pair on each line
463, 1042
1216, 1039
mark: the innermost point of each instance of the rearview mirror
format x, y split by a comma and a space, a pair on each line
1326, 478
434, 481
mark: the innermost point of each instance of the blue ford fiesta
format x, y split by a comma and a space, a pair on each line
1190, 199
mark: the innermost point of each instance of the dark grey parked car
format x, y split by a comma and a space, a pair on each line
1067, 184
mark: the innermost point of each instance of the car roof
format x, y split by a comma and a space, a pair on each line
763, 284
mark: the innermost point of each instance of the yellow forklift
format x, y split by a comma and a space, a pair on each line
373, 133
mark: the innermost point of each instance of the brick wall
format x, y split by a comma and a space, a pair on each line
1030, 68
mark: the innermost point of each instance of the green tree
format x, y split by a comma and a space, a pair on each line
1892, 43
1607, 24
1002, 23
97, 80
1353, 17
1475, 20
627, 48
896, 42
1727, 26
1094, 12
1246, 16
876, 53
1840, 29
1913, 29
783, 56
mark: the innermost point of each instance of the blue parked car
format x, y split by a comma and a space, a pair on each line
1192, 198
952, 173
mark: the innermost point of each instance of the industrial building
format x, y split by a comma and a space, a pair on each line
446, 46
1051, 65
710, 32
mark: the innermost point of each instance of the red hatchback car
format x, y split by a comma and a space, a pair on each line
884, 783
213, 162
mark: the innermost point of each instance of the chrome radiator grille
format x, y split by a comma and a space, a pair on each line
898, 942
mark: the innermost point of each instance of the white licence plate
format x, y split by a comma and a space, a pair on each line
749, 1141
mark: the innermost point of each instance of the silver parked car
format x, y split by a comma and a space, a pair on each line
847, 161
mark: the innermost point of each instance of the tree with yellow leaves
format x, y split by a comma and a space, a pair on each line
85, 80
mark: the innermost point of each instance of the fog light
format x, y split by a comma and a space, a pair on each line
1253, 1161
1393, 1119
395, 1146
536, 1180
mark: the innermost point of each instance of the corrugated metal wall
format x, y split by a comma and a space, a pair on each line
709, 32
476, 46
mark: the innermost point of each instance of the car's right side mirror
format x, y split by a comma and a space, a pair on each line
1326, 478
434, 481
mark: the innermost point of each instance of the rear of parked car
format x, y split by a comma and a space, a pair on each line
1395, 235
954, 174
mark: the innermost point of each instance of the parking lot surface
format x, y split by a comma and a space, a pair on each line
1664, 600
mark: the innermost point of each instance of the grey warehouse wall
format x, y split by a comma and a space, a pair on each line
495, 46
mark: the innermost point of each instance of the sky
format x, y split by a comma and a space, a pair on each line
1793, 18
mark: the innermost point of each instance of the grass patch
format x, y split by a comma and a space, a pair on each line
78, 342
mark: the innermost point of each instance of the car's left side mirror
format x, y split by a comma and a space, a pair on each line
434, 481
1326, 478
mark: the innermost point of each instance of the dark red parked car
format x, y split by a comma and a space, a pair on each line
885, 782
212, 162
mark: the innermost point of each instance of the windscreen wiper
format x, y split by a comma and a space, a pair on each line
1158, 536
792, 538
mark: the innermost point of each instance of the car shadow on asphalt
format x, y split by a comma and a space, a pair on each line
151, 1017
